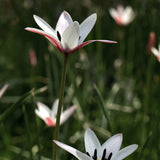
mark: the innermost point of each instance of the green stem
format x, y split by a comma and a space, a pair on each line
103, 108
28, 132
61, 95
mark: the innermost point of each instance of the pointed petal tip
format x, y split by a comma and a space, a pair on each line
28, 28
120, 135
135, 146
94, 15
65, 12
76, 23
55, 141
36, 17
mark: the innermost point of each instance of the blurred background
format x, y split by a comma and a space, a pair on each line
126, 74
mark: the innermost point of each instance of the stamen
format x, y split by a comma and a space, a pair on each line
58, 35
95, 155
88, 154
110, 155
104, 154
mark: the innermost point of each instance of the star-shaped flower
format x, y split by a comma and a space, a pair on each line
110, 150
3, 90
49, 115
68, 35
122, 16
156, 52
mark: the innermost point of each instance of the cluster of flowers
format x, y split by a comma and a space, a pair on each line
68, 37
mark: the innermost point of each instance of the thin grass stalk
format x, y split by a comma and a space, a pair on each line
61, 96
103, 108
148, 91
27, 132
20, 102
37, 130
158, 141
141, 153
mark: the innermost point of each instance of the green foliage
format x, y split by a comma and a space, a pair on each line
127, 77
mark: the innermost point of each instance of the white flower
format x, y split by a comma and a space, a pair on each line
3, 90
156, 52
68, 35
49, 115
122, 16
110, 150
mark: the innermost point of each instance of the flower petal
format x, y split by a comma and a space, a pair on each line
86, 26
3, 89
67, 113
155, 51
83, 156
70, 37
63, 22
91, 141
159, 48
112, 145
54, 108
128, 15
53, 39
113, 12
43, 111
88, 42
50, 122
44, 25
125, 152
72, 150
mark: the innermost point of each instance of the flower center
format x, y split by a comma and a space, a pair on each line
94, 157
58, 35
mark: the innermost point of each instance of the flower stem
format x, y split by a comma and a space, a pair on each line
61, 95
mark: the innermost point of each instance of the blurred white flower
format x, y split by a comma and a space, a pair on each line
68, 35
156, 52
49, 115
3, 90
110, 150
122, 16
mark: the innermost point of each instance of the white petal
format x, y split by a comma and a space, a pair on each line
63, 22
44, 25
113, 13
70, 36
66, 114
91, 141
155, 51
86, 26
54, 108
72, 150
2, 91
83, 156
112, 145
43, 111
128, 15
159, 48
125, 152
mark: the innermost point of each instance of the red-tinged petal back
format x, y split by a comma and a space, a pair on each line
49, 122
53, 40
88, 42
